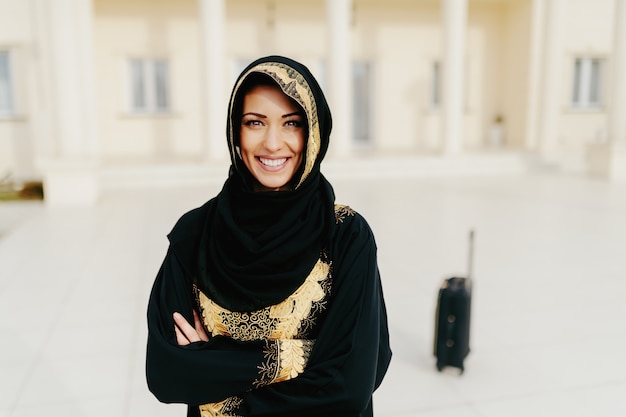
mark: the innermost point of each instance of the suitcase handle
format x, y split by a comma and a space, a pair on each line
470, 257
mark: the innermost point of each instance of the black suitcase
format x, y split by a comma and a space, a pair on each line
452, 318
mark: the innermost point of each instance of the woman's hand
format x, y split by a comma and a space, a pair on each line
185, 333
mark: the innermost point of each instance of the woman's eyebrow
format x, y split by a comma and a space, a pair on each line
296, 113
255, 114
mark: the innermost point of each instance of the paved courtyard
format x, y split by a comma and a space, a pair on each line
548, 325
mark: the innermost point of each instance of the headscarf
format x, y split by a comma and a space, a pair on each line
257, 248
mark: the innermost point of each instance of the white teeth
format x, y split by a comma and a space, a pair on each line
273, 162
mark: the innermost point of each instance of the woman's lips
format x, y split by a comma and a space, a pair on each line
273, 163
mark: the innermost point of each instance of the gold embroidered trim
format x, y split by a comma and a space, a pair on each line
284, 360
298, 306
294, 355
341, 212
221, 409
285, 320
270, 369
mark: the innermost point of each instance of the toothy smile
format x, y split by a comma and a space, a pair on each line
272, 162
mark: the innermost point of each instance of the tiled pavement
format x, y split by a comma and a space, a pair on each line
549, 318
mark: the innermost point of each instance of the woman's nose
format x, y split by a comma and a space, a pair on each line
273, 141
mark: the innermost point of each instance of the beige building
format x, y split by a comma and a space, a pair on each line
100, 93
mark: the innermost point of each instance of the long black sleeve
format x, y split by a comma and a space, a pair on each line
201, 372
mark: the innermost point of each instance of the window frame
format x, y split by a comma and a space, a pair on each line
363, 105
588, 83
435, 95
8, 106
149, 86
435, 91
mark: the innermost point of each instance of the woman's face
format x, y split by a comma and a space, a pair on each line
272, 137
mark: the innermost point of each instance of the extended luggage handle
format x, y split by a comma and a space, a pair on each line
470, 257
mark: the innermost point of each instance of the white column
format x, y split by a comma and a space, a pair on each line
212, 18
533, 107
617, 103
69, 160
453, 89
551, 85
339, 90
608, 160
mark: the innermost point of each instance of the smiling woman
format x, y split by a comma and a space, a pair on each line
269, 300
272, 136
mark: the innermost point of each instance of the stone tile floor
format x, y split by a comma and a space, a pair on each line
549, 316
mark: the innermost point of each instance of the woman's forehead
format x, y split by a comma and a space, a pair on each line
268, 96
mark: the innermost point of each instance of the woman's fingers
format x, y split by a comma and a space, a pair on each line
180, 337
187, 332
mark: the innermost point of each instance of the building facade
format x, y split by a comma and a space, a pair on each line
89, 88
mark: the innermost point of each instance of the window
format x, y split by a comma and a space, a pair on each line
588, 83
7, 105
362, 101
149, 85
435, 85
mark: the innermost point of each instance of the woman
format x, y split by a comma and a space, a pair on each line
269, 302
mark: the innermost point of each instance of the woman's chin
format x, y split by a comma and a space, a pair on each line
272, 185
273, 180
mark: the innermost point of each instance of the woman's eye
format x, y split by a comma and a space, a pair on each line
293, 123
252, 122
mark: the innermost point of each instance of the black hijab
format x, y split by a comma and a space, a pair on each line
257, 248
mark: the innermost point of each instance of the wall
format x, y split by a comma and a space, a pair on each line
515, 90
486, 71
148, 29
588, 28
282, 27
402, 38
16, 131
